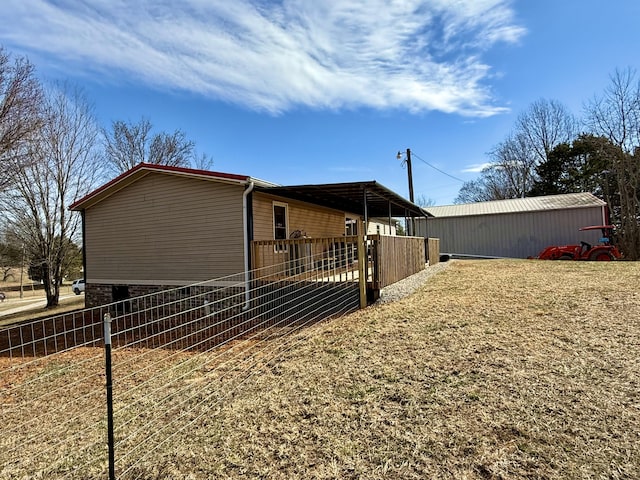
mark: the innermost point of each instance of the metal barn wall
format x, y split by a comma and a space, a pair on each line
516, 235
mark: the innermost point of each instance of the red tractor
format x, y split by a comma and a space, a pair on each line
603, 252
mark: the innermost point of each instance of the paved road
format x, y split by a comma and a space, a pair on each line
29, 304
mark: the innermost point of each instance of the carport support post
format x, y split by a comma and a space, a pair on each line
362, 270
107, 357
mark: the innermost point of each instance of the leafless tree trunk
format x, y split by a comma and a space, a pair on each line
616, 116
20, 113
63, 169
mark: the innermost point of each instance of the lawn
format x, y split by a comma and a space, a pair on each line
493, 369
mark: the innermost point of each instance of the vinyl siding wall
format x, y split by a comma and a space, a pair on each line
165, 229
514, 235
380, 227
311, 220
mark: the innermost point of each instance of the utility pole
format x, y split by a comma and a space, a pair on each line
410, 224
409, 172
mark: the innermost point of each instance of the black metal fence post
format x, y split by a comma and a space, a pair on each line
107, 356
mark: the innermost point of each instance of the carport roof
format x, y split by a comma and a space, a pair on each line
351, 197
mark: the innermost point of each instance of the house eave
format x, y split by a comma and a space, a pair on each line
139, 171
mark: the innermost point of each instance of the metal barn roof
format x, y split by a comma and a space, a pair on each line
516, 205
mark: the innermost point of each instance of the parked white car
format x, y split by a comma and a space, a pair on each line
78, 286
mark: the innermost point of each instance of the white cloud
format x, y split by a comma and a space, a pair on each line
476, 167
416, 55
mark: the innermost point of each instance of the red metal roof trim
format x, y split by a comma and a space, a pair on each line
159, 168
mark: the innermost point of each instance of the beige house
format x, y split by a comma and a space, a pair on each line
156, 227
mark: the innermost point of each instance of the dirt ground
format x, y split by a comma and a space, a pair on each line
491, 370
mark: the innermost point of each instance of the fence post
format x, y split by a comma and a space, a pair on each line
362, 270
107, 356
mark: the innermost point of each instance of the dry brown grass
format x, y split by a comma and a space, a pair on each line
493, 369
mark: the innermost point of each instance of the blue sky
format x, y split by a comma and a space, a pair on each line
318, 91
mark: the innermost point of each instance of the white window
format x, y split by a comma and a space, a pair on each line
351, 226
280, 224
280, 230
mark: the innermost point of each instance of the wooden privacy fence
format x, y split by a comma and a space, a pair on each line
395, 258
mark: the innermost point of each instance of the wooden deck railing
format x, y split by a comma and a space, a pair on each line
306, 257
389, 259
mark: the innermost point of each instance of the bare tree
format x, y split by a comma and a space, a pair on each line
425, 201
511, 173
545, 124
492, 184
128, 144
174, 150
202, 162
474, 191
627, 169
616, 116
513, 166
62, 170
20, 118
11, 256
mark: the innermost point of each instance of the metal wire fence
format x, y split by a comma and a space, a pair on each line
176, 356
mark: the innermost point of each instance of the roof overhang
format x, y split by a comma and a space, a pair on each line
370, 197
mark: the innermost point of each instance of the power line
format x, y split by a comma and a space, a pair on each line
436, 168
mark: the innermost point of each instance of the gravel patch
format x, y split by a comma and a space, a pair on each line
407, 286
